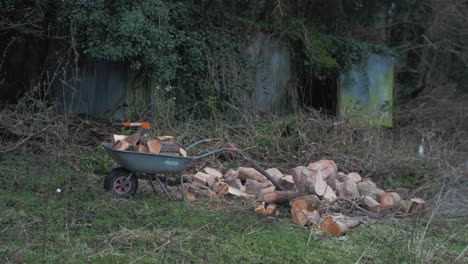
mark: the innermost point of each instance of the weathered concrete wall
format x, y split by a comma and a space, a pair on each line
365, 92
269, 75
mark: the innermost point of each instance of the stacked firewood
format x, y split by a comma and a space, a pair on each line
317, 194
141, 142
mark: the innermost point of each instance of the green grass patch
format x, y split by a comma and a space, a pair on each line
85, 224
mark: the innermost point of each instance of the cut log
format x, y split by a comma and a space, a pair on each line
328, 167
190, 197
331, 181
199, 190
211, 180
166, 138
267, 176
262, 193
260, 209
275, 173
370, 204
389, 200
154, 146
341, 176
368, 188
300, 218
236, 183
314, 219
237, 192
270, 209
337, 225
328, 171
403, 192
169, 147
121, 145
116, 138
220, 188
416, 205
231, 174
307, 202
213, 172
287, 182
201, 178
133, 139
142, 149
242, 188
329, 194
306, 218
402, 208
253, 187
308, 181
183, 152
250, 173
355, 177
278, 197
348, 189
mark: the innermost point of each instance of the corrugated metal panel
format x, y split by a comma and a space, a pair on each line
101, 89
269, 74
365, 92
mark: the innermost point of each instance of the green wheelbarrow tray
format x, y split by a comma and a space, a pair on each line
152, 164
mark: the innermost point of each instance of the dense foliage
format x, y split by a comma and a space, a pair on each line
196, 48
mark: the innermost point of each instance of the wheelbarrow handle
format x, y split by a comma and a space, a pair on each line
198, 143
214, 152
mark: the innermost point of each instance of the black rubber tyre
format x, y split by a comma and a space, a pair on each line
115, 183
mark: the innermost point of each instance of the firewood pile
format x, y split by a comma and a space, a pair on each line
141, 142
318, 195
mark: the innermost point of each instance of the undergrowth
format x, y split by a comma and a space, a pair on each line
43, 150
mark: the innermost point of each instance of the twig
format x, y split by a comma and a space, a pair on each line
364, 252
154, 250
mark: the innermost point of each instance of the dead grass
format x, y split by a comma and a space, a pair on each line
388, 156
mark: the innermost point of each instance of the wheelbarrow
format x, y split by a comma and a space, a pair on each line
123, 181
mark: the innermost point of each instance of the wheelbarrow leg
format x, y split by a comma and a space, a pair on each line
182, 187
151, 183
165, 181
164, 188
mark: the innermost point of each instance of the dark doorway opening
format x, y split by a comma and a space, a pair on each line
320, 93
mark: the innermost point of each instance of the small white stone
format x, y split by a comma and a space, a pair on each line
58, 190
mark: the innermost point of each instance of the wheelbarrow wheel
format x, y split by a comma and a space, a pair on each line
116, 183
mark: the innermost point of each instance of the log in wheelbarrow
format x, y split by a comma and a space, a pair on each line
123, 181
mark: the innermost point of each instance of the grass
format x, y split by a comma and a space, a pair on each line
84, 224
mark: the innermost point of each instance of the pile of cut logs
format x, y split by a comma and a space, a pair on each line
318, 195
140, 142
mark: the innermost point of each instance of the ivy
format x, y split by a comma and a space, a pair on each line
120, 30
348, 52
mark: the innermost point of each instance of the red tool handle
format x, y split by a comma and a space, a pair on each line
144, 125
